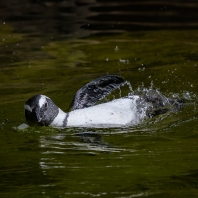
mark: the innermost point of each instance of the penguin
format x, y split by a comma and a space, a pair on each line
126, 111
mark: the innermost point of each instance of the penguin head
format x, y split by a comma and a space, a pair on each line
40, 110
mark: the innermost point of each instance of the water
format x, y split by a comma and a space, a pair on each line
155, 159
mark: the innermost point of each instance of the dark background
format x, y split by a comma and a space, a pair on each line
81, 17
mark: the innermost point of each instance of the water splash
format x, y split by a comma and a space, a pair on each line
129, 85
116, 48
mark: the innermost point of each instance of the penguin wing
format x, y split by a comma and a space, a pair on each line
95, 90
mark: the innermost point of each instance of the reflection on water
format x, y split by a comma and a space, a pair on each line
57, 145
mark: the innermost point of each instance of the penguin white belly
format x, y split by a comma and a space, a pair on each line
120, 112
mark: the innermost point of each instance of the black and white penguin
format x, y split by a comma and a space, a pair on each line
130, 110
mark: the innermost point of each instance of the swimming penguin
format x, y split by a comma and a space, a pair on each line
126, 111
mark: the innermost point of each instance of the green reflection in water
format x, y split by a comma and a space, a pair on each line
157, 158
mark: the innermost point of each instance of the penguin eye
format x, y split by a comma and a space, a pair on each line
46, 105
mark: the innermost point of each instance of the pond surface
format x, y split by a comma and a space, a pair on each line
158, 158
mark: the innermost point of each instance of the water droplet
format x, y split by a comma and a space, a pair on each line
123, 61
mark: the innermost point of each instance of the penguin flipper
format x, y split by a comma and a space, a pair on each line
95, 90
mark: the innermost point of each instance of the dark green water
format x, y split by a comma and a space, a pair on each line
156, 159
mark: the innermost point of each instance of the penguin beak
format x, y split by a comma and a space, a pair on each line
34, 116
